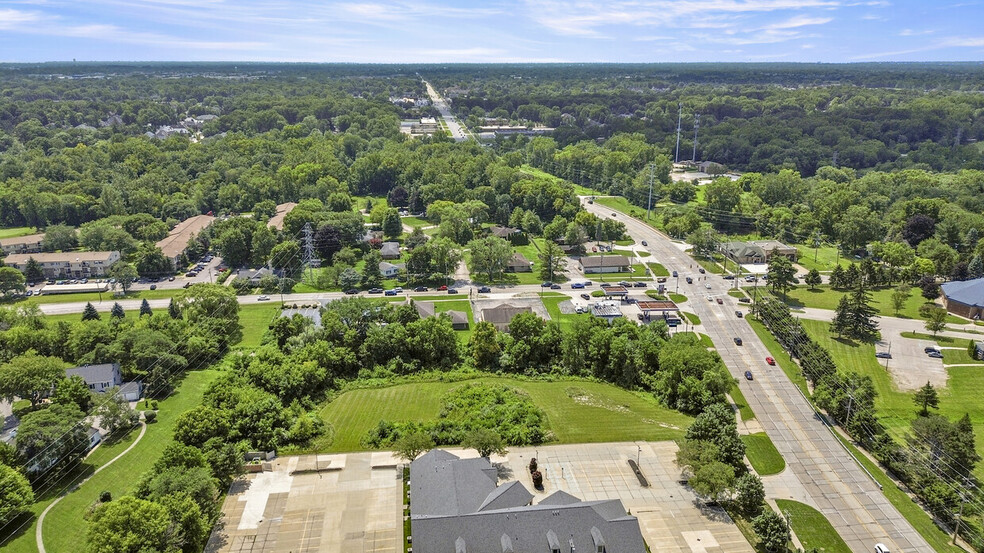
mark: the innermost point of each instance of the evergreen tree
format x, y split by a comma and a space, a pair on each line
862, 314
813, 279
976, 267
145, 308
837, 277
117, 311
172, 310
33, 270
371, 276
925, 398
852, 276
842, 316
90, 313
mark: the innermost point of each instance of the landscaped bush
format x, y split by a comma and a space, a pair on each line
150, 416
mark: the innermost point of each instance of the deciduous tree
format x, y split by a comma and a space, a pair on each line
411, 445
30, 376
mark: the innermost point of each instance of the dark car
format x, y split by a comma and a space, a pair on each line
187, 285
744, 300
153, 287
420, 289
675, 273
547, 284
452, 290
739, 314
484, 290
748, 375
577, 285
375, 290
929, 349
555, 287
352, 291
936, 354
585, 297
737, 341
690, 280
701, 270
191, 274
883, 355
640, 285
729, 277
390, 292
644, 243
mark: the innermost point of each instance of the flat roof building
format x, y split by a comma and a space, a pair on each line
964, 297
66, 264
605, 264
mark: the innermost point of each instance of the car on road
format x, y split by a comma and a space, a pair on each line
586, 297
546, 284
739, 314
484, 290
748, 375
390, 292
690, 280
263, 298
930, 349
744, 300
594, 248
614, 214
577, 286
880, 548
720, 301
701, 270
660, 279
170, 279
420, 289
352, 291
644, 243
737, 341
770, 361
398, 289
191, 274
936, 354
442, 288
588, 283
624, 283
750, 278
153, 287
555, 287
375, 290
606, 285
883, 355
707, 285
639, 285
675, 273
452, 290
729, 277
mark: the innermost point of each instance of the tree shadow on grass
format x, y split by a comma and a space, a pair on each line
17, 527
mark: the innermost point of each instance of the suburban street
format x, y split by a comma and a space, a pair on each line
826, 476
457, 131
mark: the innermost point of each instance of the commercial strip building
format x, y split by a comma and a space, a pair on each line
174, 245
605, 264
22, 244
458, 507
66, 264
964, 297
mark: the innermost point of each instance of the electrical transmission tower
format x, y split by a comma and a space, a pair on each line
679, 128
309, 258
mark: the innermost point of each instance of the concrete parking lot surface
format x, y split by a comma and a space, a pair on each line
352, 502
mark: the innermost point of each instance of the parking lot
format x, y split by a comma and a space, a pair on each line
351, 502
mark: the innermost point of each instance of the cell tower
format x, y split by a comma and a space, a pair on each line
679, 121
696, 126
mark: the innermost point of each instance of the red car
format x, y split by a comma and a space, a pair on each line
442, 288
770, 360
719, 300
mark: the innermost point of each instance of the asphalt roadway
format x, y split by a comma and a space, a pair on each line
455, 128
832, 480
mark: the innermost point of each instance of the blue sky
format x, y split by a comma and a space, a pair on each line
493, 31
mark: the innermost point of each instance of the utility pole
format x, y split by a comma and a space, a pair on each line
696, 126
652, 172
963, 501
309, 249
679, 128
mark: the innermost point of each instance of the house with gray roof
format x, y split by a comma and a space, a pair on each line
100, 377
502, 315
757, 251
390, 250
964, 297
518, 264
391, 270
459, 319
458, 507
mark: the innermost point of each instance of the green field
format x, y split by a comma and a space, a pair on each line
812, 528
823, 297
677, 298
638, 272
64, 524
694, 319
14, 232
826, 258
763, 455
94, 297
577, 411
741, 403
658, 269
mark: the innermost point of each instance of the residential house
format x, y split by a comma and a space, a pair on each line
176, 242
131, 391
22, 244
95, 436
66, 264
390, 250
459, 507
502, 315
459, 319
605, 264
100, 377
391, 270
518, 264
503, 232
964, 297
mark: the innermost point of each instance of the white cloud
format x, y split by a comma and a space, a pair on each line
798, 21
911, 32
11, 19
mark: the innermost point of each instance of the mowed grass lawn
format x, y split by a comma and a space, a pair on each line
895, 408
597, 412
763, 455
824, 297
812, 528
64, 526
14, 232
826, 258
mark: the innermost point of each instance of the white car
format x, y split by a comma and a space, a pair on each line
709, 298
708, 285
263, 298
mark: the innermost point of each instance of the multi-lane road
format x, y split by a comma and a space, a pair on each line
456, 129
826, 476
